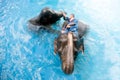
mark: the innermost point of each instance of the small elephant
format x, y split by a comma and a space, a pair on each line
67, 46
46, 18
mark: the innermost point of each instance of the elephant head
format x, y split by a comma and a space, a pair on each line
64, 45
46, 17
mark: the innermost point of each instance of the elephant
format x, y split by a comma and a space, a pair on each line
68, 46
46, 18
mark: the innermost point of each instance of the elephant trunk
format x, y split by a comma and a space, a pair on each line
68, 60
60, 14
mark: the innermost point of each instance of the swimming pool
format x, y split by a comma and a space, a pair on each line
27, 55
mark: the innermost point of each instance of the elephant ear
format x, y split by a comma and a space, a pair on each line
55, 46
33, 25
82, 28
81, 46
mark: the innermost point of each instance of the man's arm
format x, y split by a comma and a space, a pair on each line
65, 17
71, 24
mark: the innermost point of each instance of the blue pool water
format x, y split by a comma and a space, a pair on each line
28, 55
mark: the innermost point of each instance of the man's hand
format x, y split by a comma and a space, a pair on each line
64, 14
68, 26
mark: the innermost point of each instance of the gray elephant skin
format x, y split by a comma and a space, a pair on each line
46, 18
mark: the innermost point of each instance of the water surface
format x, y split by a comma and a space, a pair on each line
27, 55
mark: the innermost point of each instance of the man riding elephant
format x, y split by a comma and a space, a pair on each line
70, 42
70, 25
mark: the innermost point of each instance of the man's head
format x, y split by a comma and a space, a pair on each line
72, 16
